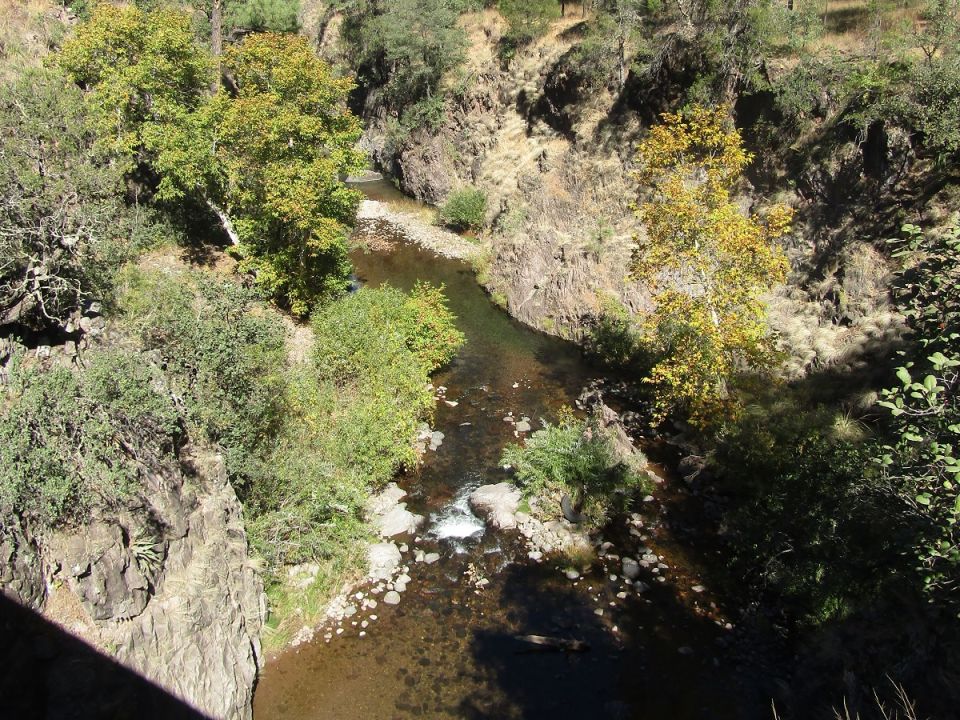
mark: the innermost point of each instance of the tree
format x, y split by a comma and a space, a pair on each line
706, 263
139, 70
405, 47
59, 203
266, 157
922, 460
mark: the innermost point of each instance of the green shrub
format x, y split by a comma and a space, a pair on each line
72, 441
612, 340
465, 209
527, 20
223, 353
808, 527
574, 457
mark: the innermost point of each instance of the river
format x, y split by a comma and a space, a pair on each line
449, 650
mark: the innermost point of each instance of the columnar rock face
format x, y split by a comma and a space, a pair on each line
164, 587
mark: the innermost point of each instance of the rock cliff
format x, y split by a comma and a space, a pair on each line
164, 588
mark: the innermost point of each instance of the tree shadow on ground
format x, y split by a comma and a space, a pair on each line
49, 673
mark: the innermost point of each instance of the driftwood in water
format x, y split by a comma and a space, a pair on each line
552, 643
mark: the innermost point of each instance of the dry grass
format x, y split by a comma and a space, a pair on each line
29, 30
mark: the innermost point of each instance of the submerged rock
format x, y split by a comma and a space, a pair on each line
631, 568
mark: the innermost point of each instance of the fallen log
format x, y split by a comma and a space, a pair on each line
553, 643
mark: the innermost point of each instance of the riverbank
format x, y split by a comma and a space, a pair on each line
411, 228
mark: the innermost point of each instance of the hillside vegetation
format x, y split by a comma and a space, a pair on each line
159, 226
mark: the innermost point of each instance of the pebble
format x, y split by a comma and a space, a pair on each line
362, 634
339, 631
571, 574
364, 624
373, 617
622, 595
685, 650
535, 555
431, 558
392, 598
404, 548
613, 578
451, 403
698, 588
648, 498
598, 612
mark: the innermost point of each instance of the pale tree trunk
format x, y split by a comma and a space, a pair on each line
225, 222
216, 40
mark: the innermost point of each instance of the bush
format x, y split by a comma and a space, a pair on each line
465, 209
574, 457
807, 526
223, 353
72, 441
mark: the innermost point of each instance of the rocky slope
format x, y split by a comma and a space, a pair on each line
554, 155
162, 589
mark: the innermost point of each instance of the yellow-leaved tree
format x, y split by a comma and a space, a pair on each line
707, 263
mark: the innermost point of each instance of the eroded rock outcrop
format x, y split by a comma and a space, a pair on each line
164, 587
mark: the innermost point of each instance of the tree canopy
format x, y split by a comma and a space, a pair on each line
266, 155
706, 262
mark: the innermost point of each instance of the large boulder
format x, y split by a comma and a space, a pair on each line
383, 560
397, 521
497, 504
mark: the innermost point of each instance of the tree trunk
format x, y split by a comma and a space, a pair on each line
216, 40
225, 222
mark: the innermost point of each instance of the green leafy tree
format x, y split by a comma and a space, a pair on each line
141, 71
923, 461
405, 47
266, 157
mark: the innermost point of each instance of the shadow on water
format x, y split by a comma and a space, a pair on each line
48, 673
648, 656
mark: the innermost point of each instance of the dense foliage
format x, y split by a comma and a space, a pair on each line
808, 530
465, 209
706, 262
404, 48
70, 442
223, 357
304, 443
923, 458
266, 156
63, 225
575, 457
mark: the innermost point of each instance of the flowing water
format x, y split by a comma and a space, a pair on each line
449, 650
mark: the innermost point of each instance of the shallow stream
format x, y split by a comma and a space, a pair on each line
449, 650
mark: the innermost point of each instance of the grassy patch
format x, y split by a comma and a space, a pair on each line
575, 457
